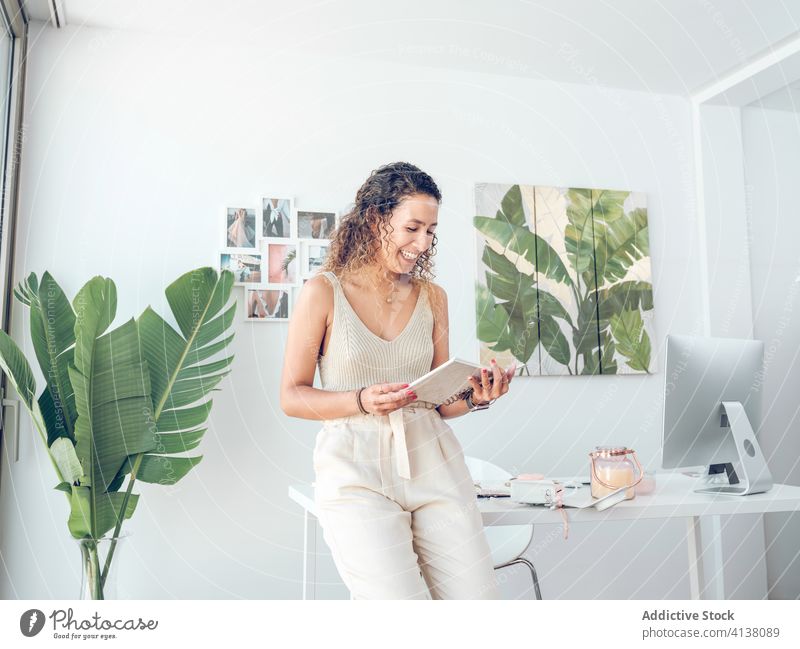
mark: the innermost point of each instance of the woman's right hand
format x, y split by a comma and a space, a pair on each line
382, 398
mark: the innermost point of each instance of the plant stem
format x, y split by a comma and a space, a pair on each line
577, 297
120, 518
91, 568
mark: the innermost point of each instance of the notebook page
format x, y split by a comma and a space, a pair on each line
449, 379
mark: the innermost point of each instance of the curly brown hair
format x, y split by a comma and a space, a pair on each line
354, 245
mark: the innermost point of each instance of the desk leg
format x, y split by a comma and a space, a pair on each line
693, 539
309, 556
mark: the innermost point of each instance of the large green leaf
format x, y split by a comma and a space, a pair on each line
515, 289
114, 406
95, 308
177, 377
591, 364
516, 243
511, 209
63, 452
112, 398
165, 470
201, 353
19, 373
553, 340
17, 369
607, 349
52, 417
52, 324
624, 296
619, 243
492, 318
631, 338
549, 305
524, 249
92, 514
521, 337
197, 296
579, 242
212, 330
184, 418
180, 442
578, 235
607, 205
498, 263
27, 291
549, 263
185, 392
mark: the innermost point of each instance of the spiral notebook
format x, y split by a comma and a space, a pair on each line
446, 384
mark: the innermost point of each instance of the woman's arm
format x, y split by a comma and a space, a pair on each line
483, 390
307, 328
441, 347
306, 332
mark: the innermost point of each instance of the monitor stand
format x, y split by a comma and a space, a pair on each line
755, 476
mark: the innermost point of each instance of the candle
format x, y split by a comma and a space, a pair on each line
617, 474
613, 469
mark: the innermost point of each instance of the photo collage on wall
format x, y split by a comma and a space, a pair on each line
272, 251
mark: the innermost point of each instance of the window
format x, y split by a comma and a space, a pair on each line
13, 43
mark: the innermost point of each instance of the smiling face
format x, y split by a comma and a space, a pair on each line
413, 223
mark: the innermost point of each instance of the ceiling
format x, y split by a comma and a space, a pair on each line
787, 98
672, 46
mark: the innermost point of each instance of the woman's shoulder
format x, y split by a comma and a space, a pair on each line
319, 285
432, 288
317, 293
437, 296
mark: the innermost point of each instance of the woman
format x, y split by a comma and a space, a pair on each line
394, 497
240, 234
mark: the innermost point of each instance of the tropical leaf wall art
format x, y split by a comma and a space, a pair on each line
564, 282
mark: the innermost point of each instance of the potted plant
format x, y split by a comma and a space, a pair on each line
119, 405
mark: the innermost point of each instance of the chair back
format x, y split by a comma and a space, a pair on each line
507, 542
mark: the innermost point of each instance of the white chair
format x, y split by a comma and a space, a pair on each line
507, 542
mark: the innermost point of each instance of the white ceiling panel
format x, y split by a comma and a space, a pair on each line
674, 46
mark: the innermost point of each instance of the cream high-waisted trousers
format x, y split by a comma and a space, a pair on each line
394, 537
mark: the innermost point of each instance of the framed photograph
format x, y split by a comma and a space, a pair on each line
247, 266
240, 227
268, 304
316, 225
277, 219
282, 263
312, 254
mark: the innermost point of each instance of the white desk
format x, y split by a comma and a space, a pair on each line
673, 498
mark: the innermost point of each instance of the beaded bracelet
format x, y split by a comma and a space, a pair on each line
358, 400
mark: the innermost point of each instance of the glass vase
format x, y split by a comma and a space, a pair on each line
99, 561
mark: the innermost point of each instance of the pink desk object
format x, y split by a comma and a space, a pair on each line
530, 476
647, 485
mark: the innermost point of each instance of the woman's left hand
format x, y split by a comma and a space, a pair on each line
486, 389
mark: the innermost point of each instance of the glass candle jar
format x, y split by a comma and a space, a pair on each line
612, 468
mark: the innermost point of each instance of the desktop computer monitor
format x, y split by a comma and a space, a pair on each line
712, 406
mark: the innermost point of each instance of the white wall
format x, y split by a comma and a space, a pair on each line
134, 144
771, 144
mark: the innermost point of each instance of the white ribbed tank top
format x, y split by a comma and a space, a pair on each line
356, 357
